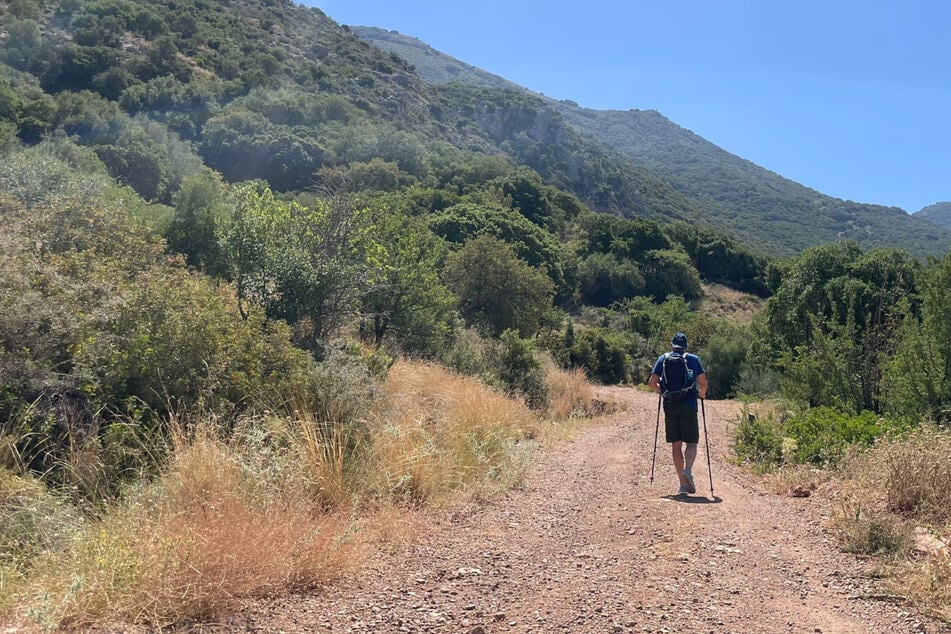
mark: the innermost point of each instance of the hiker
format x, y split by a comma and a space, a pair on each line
680, 377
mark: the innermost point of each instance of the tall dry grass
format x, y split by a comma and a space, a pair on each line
902, 482
187, 547
270, 503
571, 394
440, 432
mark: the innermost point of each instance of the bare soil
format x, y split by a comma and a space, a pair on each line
590, 545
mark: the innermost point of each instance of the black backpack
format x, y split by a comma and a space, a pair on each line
676, 381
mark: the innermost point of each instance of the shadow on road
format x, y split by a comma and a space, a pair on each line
688, 499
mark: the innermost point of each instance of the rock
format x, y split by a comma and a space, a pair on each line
927, 542
799, 491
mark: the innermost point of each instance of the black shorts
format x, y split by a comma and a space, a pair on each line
680, 423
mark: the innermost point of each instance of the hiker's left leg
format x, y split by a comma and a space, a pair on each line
678, 454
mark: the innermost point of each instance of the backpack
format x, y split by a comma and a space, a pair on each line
676, 381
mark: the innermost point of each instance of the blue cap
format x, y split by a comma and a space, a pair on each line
679, 340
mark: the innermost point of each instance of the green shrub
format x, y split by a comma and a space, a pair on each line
823, 434
603, 354
868, 533
520, 370
758, 440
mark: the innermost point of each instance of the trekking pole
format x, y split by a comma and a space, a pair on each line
706, 440
656, 429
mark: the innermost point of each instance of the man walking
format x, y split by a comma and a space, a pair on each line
679, 376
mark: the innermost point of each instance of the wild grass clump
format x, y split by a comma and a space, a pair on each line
867, 532
187, 546
441, 432
898, 483
572, 395
911, 472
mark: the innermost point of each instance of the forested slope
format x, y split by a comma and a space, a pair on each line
768, 212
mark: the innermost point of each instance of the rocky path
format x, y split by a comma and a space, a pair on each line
589, 545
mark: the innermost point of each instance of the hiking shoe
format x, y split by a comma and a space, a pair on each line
688, 484
683, 490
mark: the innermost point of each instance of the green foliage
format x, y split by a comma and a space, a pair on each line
604, 279
602, 353
244, 145
496, 289
917, 379
758, 440
201, 216
310, 266
520, 370
99, 325
462, 222
724, 357
721, 259
408, 302
823, 434
831, 324
668, 273
820, 436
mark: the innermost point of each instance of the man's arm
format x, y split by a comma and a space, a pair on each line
654, 382
702, 385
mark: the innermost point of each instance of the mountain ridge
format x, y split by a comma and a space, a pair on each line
761, 207
937, 214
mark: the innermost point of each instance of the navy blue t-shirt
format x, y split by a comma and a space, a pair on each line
694, 369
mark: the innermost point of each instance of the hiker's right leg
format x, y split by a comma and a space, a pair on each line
690, 454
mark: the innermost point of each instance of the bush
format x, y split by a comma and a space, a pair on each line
758, 440
867, 533
602, 354
823, 435
911, 471
520, 370
724, 357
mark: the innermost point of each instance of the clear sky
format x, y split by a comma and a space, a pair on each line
852, 98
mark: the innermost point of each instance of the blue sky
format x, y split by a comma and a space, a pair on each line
850, 98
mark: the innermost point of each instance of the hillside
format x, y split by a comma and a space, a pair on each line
937, 214
770, 213
277, 91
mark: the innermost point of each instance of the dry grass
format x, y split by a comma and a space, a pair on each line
441, 432
572, 395
727, 303
187, 548
911, 473
897, 484
790, 478
282, 504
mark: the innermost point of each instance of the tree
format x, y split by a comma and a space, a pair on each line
603, 279
917, 379
200, 215
407, 298
837, 310
496, 289
310, 266
669, 272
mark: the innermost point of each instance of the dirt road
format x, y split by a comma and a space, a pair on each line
588, 545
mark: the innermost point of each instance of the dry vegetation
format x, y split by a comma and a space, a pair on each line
271, 506
890, 505
727, 303
899, 493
